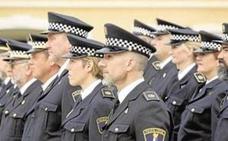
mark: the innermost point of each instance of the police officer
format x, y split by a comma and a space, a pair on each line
13, 118
145, 32
94, 101
50, 107
183, 42
167, 70
141, 114
58, 45
44, 70
220, 106
196, 123
7, 85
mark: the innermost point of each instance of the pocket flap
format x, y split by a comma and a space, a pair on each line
176, 101
49, 107
74, 126
17, 115
119, 128
197, 110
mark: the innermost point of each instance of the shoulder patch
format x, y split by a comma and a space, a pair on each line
200, 78
101, 121
107, 92
154, 134
156, 65
151, 96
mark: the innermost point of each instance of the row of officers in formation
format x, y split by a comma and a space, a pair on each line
152, 84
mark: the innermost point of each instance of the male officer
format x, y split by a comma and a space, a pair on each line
54, 106
7, 86
145, 32
58, 45
44, 70
13, 118
167, 70
221, 104
196, 123
141, 114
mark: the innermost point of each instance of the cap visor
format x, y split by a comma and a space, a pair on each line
49, 31
108, 50
159, 33
221, 42
34, 50
72, 56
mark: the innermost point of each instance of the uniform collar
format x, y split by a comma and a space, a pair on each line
126, 90
63, 67
212, 79
181, 74
165, 62
48, 82
26, 85
89, 89
7, 80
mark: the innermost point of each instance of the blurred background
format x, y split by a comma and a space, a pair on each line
20, 17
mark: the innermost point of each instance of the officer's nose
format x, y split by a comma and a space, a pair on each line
220, 56
101, 63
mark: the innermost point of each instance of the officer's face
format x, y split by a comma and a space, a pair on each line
223, 57
180, 54
9, 70
113, 67
146, 39
58, 45
19, 70
160, 43
207, 63
77, 72
40, 65
3, 65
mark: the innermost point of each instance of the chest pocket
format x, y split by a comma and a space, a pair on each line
75, 127
49, 115
119, 128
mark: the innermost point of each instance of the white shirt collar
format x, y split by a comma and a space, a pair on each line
89, 89
151, 56
63, 67
126, 90
212, 79
26, 85
165, 62
7, 80
181, 74
48, 82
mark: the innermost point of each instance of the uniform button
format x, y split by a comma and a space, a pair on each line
116, 129
166, 97
46, 109
14, 115
72, 130
193, 110
174, 102
6, 112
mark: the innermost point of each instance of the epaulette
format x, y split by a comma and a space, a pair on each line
151, 96
200, 78
75, 94
107, 92
156, 65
